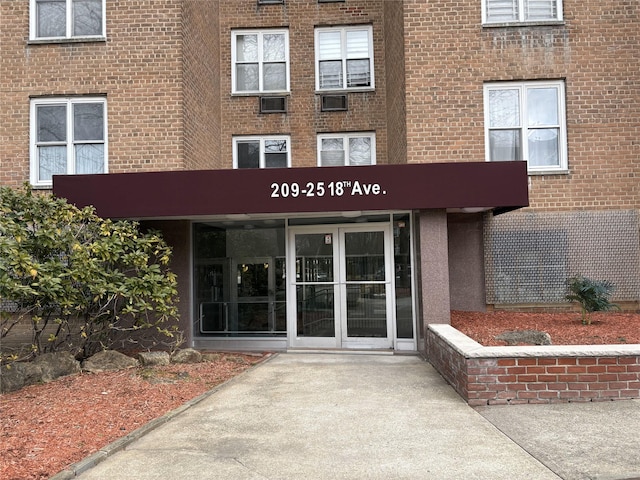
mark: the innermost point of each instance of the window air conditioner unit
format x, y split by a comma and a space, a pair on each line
334, 103
273, 104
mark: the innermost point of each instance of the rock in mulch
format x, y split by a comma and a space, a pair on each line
108, 360
44, 368
211, 357
529, 337
236, 359
12, 377
149, 359
186, 355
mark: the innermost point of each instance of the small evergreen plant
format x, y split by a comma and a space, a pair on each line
592, 295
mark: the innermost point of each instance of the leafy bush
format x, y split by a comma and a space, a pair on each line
592, 295
79, 277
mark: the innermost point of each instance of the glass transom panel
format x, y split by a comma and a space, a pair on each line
52, 123
360, 151
247, 48
329, 45
87, 17
542, 106
504, 108
88, 121
357, 44
273, 47
52, 18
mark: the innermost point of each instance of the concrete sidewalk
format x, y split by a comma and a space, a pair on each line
345, 416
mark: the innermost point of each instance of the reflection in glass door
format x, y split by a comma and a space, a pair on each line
342, 287
365, 285
315, 286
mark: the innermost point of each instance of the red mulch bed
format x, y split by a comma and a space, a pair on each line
564, 328
45, 428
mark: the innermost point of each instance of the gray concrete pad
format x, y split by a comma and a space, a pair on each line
578, 441
321, 416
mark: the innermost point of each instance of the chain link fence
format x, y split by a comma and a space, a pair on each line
529, 256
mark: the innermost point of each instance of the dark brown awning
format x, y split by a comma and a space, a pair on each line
466, 186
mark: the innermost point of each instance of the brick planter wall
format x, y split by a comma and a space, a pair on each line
533, 374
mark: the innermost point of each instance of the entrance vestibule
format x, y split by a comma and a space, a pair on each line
342, 287
330, 282
233, 262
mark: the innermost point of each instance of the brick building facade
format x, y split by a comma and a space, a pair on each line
180, 85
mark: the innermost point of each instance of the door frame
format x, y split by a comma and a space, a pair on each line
340, 339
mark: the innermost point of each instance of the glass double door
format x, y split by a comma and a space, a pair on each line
342, 285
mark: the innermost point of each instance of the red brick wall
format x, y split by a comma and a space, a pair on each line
138, 68
367, 110
548, 379
431, 60
202, 115
448, 362
394, 70
490, 378
449, 55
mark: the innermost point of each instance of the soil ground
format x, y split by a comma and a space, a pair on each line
564, 328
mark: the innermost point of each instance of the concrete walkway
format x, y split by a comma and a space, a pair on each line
321, 416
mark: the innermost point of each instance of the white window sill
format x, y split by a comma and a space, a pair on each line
344, 91
42, 186
260, 94
537, 23
534, 173
41, 41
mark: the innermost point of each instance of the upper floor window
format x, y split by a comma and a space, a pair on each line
260, 61
336, 149
344, 58
67, 19
261, 152
526, 121
517, 11
68, 135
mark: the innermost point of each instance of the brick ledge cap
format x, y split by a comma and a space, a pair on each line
469, 348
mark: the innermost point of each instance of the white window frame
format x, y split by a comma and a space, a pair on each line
520, 5
345, 138
260, 33
522, 89
262, 139
343, 57
69, 36
68, 103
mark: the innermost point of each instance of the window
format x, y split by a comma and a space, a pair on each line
344, 58
261, 152
526, 121
68, 135
67, 19
346, 149
260, 61
515, 11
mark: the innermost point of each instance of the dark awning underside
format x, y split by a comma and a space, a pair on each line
499, 186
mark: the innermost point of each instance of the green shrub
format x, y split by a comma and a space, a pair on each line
77, 279
592, 295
